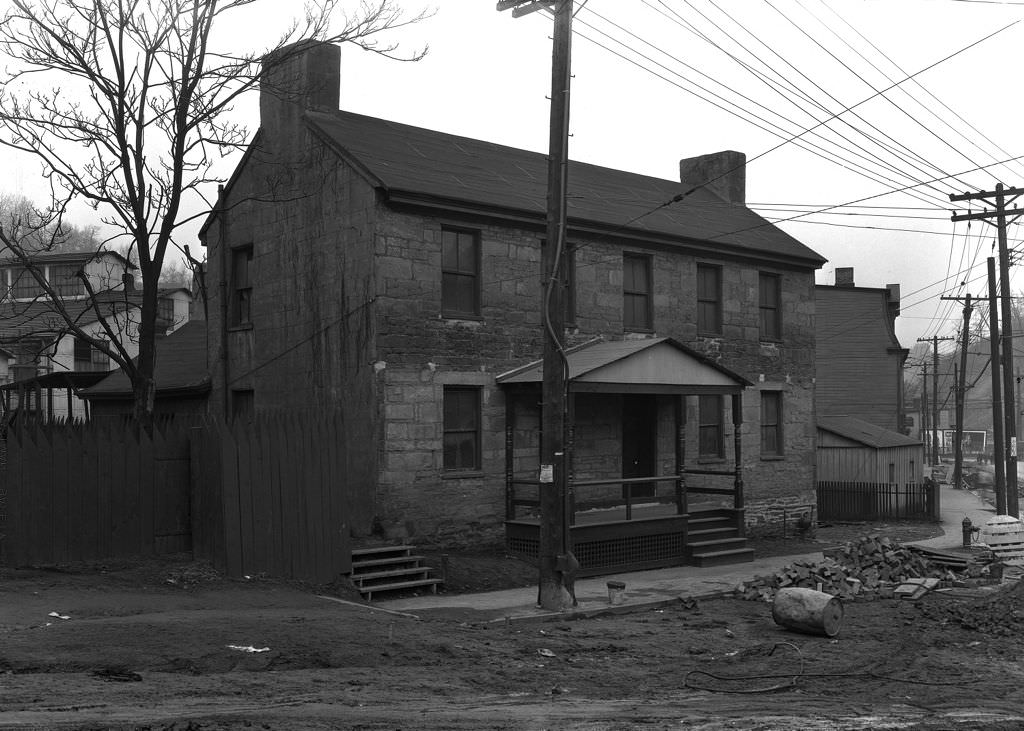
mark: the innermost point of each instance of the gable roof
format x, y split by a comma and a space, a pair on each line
865, 433
652, 365
40, 317
422, 167
66, 257
180, 367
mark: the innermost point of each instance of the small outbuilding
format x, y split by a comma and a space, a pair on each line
866, 472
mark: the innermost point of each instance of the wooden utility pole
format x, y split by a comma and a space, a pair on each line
997, 388
935, 393
554, 530
960, 383
924, 413
1000, 197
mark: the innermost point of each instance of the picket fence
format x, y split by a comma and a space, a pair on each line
843, 500
269, 496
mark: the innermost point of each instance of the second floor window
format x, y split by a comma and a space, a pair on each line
710, 430
23, 285
90, 358
768, 303
636, 292
709, 299
64, 280
241, 286
460, 273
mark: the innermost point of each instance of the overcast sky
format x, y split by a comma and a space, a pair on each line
781, 67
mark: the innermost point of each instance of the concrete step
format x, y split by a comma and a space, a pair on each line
387, 577
710, 534
716, 544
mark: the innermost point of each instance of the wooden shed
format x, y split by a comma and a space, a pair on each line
865, 472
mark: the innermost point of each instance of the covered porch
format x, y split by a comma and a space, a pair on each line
637, 495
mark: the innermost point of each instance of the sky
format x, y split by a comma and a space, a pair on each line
881, 152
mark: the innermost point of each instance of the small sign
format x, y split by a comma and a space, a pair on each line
547, 473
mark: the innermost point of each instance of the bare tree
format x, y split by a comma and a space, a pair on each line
125, 103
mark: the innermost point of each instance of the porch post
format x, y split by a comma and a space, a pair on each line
510, 427
737, 423
680, 408
570, 473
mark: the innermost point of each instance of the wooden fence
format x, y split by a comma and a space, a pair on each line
268, 497
80, 493
271, 496
840, 500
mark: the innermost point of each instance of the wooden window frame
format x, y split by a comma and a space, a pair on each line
453, 461
769, 306
457, 270
630, 292
240, 311
772, 428
710, 426
706, 303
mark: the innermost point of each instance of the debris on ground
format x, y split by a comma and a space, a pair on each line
1000, 613
871, 567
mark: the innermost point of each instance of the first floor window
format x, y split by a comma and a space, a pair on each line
771, 423
711, 435
461, 428
90, 358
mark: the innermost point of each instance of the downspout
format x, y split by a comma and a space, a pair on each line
222, 242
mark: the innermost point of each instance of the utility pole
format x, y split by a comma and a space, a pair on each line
998, 460
935, 393
1001, 197
924, 413
554, 530
961, 389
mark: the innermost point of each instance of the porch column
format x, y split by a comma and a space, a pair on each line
510, 430
737, 423
570, 472
680, 408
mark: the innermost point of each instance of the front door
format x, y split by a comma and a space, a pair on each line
639, 443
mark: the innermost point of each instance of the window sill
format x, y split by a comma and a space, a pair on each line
638, 330
458, 475
710, 460
239, 328
773, 341
457, 316
772, 457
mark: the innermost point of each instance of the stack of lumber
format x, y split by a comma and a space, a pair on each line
870, 567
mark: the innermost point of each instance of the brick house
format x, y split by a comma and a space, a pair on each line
393, 273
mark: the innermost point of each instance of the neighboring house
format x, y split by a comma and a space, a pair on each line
181, 377
6, 357
38, 337
392, 273
859, 359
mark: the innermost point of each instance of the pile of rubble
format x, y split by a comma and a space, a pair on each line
1001, 613
871, 567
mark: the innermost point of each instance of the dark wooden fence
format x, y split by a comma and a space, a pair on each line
79, 493
272, 496
876, 501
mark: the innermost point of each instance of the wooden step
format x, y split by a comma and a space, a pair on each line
375, 577
711, 534
380, 550
722, 558
375, 562
717, 544
369, 591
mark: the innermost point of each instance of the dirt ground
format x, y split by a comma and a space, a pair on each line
171, 645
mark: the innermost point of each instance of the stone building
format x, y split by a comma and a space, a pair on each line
393, 273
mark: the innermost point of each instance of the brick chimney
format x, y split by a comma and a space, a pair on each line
844, 277
724, 173
305, 75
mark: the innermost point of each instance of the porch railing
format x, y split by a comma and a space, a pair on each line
517, 486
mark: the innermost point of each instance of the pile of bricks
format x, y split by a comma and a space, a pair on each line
869, 568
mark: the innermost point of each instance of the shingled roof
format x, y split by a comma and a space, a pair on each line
420, 166
865, 433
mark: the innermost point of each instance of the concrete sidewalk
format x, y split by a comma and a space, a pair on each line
646, 589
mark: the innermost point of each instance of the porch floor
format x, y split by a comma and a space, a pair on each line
617, 514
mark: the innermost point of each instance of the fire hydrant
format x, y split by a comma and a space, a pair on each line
969, 531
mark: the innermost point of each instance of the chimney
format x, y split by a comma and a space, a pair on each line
894, 299
844, 277
723, 173
305, 75
128, 281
